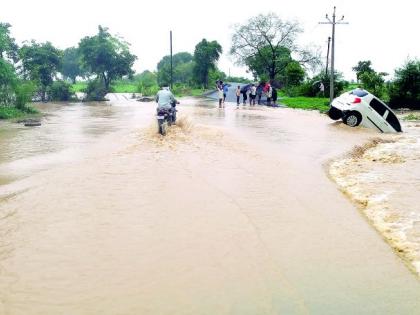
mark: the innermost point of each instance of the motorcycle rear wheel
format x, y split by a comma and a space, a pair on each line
163, 128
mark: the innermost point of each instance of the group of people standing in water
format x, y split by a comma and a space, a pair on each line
248, 91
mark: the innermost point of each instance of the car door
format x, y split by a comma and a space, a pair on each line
378, 114
392, 120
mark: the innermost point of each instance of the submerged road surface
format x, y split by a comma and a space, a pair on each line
231, 213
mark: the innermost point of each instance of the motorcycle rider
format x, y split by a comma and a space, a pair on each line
165, 99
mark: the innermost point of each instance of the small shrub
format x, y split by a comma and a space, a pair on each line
95, 91
23, 92
60, 91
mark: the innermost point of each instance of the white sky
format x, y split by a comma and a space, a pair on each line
384, 32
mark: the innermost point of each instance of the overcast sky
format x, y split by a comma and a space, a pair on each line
384, 32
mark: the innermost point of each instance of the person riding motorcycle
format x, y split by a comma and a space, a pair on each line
165, 99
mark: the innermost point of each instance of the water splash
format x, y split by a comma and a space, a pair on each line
382, 178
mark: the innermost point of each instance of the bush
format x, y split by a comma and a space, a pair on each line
373, 82
147, 89
311, 87
8, 112
24, 91
96, 91
147, 83
404, 91
60, 91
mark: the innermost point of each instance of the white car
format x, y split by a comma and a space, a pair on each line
359, 107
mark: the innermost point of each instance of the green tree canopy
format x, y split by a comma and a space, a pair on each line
374, 82
7, 83
106, 56
405, 89
182, 68
361, 67
40, 63
294, 74
71, 65
206, 55
8, 47
265, 44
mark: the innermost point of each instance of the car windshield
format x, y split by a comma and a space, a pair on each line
359, 92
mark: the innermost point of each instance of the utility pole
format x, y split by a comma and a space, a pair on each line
170, 39
333, 22
328, 55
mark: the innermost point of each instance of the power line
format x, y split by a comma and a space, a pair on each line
333, 22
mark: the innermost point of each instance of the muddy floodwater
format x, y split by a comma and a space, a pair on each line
233, 212
382, 176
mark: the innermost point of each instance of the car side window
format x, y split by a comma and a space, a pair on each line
378, 106
393, 121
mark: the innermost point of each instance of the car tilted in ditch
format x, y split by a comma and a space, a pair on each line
359, 107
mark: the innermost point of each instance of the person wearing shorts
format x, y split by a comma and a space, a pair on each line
252, 94
238, 96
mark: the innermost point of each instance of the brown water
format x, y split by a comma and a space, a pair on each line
384, 180
231, 213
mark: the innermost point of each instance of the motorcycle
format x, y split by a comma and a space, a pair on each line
166, 118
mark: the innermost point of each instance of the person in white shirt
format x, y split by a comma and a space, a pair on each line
252, 94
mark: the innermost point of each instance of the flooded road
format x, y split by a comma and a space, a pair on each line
231, 213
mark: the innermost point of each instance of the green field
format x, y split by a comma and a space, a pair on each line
122, 87
308, 103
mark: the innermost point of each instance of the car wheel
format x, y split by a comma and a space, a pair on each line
353, 119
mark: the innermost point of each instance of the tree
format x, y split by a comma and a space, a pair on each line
13, 91
184, 73
106, 56
405, 89
40, 64
70, 64
311, 87
7, 83
206, 55
8, 47
294, 74
374, 82
215, 74
182, 68
266, 43
361, 67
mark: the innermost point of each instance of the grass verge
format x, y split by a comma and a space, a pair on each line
10, 112
309, 103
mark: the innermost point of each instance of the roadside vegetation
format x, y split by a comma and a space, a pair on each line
309, 103
412, 117
11, 112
